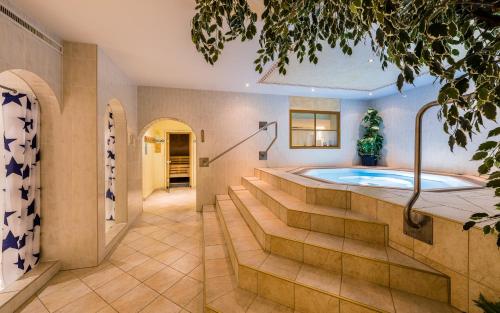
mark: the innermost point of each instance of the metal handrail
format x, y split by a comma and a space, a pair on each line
205, 162
417, 171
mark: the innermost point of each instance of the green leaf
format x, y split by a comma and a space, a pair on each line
488, 145
495, 183
400, 82
478, 216
461, 138
486, 166
490, 111
479, 155
494, 132
469, 225
437, 30
486, 229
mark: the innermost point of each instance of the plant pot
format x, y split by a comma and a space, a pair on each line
368, 160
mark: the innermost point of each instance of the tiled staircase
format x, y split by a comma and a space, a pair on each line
288, 255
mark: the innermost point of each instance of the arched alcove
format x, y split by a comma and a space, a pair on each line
154, 155
51, 141
115, 107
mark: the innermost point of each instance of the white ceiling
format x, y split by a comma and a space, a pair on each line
150, 41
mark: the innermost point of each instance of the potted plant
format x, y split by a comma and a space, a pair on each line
370, 145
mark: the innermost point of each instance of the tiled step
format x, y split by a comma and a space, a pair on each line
371, 262
222, 294
303, 287
319, 218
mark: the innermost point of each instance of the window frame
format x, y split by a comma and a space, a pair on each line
315, 113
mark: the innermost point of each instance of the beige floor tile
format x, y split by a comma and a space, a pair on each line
368, 250
62, 292
184, 291
117, 287
164, 279
161, 305
262, 305
99, 277
312, 301
218, 267
281, 266
107, 309
197, 273
155, 249
215, 252
170, 256
186, 264
236, 301
173, 239
147, 269
325, 240
405, 302
160, 234
135, 300
219, 286
131, 236
91, 302
142, 243
320, 279
131, 261
367, 293
196, 305
145, 230
58, 282
33, 306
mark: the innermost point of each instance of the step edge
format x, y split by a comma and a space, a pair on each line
366, 219
340, 297
434, 272
294, 282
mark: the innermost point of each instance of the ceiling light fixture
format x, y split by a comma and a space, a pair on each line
247, 85
370, 93
312, 89
370, 61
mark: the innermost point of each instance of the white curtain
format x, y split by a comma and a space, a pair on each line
19, 186
110, 170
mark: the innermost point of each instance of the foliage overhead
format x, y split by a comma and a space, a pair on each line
456, 41
372, 141
487, 306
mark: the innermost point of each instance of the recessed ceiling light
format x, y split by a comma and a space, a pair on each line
247, 85
312, 89
370, 93
370, 61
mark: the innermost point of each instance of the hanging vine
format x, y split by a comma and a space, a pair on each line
457, 41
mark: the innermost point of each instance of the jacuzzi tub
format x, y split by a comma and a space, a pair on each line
387, 178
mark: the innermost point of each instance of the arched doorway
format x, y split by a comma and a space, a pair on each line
168, 160
114, 187
39, 110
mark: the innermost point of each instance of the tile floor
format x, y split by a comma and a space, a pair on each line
157, 268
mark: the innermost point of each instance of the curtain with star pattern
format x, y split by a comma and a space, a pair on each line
19, 185
110, 170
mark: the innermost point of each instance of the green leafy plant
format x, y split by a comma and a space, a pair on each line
372, 141
456, 41
487, 306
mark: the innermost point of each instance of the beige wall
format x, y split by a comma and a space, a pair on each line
27, 52
71, 138
399, 128
115, 88
228, 117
